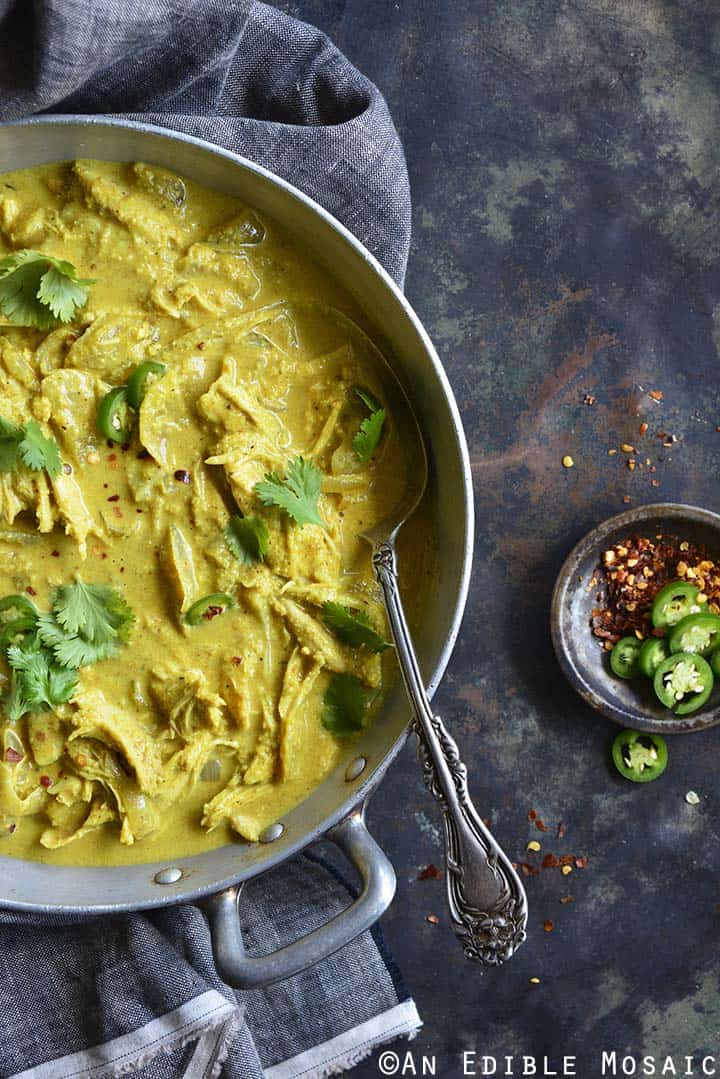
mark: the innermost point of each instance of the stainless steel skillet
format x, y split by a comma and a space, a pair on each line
335, 809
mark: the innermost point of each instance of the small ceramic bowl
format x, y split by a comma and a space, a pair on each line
586, 666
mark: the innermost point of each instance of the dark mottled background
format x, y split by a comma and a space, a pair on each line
564, 161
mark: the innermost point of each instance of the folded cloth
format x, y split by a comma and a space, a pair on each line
140, 994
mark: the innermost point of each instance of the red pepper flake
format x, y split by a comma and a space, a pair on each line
487, 822
626, 499
566, 859
550, 861
643, 428
117, 512
45, 781
541, 826
581, 863
125, 447
567, 899
236, 661
30, 590
529, 870
55, 554
532, 815
12, 756
657, 395
430, 872
589, 400
103, 554
114, 498
138, 510
182, 475
143, 455
201, 345
561, 830
548, 926
433, 919
212, 612
112, 456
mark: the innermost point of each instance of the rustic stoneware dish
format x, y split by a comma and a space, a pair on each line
335, 810
630, 703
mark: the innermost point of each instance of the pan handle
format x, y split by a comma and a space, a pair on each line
243, 971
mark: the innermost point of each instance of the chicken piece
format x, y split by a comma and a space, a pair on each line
95, 717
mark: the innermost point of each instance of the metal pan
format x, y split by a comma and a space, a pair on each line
335, 810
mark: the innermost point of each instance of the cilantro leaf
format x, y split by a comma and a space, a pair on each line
39, 290
367, 439
38, 683
10, 438
344, 706
94, 612
71, 651
39, 452
247, 538
354, 628
297, 492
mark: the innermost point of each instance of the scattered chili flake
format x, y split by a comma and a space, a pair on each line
143, 455
30, 590
430, 872
433, 919
529, 870
588, 399
657, 395
541, 826
54, 554
655, 483
643, 428
236, 661
182, 475
125, 447
531, 814
114, 498
567, 899
117, 512
548, 926
138, 510
561, 830
550, 861
12, 756
45, 781
112, 456
201, 345
212, 612
581, 863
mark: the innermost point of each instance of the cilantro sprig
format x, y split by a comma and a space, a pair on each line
296, 492
353, 628
247, 538
39, 290
367, 440
344, 706
27, 444
87, 623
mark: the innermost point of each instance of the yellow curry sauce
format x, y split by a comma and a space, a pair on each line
190, 735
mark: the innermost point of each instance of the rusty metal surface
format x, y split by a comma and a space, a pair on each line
564, 160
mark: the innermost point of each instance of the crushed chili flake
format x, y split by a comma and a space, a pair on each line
541, 826
182, 475
112, 456
581, 863
54, 554
531, 814
550, 861
626, 499
430, 872
590, 400
114, 498
529, 870
567, 899
236, 661
12, 756
643, 428
433, 919
143, 455
45, 781
657, 395
548, 926
635, 570
561, 830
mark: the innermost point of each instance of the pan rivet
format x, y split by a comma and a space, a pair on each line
272, 832
355, 769
168, 876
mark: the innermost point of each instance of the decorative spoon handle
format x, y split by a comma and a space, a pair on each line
487, 901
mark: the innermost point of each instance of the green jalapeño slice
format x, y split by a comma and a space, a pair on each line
141, 380
624, 657
683, 682
674, 602
209, 607
115, 419
698, 633
652, 652
638, 756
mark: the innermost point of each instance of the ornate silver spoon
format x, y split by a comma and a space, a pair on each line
487, 901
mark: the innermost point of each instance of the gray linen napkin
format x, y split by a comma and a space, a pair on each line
141, 994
